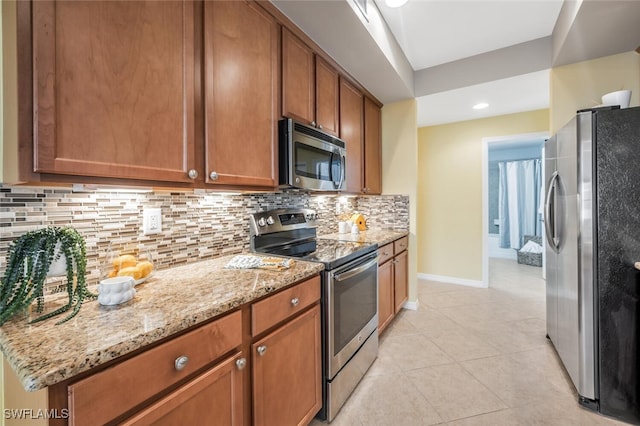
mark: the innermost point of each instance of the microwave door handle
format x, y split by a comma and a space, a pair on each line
331, 167
343, 172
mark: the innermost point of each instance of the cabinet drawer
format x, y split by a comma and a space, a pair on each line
400, 245
110, 393
385, 253
272, 310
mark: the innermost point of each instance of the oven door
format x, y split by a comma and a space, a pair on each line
351, 310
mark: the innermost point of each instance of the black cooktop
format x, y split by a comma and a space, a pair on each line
292, 233
334, 253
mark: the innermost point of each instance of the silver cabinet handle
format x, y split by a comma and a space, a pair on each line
213, 176
181, 362
193, 174
241, 363
320, 126
313, 123
295, 301
262, 349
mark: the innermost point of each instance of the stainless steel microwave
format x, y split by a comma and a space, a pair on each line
310, 159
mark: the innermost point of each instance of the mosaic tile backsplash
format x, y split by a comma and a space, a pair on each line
194, 226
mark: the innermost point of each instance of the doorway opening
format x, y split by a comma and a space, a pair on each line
512, 182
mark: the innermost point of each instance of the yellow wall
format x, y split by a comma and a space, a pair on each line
581, 85
400, 168
450, 191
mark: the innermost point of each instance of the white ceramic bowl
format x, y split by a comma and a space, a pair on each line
621, 97
116, 290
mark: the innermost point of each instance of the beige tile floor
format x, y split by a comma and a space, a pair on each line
469, 356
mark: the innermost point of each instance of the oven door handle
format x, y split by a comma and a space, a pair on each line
346, 275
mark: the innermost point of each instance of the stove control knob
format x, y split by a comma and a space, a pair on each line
270, 220
262, 222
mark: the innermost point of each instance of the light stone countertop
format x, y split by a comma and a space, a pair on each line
170, 301
379, 236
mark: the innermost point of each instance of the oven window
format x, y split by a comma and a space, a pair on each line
312, 162
355, 302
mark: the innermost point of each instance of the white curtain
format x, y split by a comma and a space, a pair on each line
519, 201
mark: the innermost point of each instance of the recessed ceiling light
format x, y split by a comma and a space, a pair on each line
395, 3
480, 105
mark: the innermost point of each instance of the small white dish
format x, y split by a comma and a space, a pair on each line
116, 290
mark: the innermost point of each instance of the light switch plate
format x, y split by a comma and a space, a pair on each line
151, 221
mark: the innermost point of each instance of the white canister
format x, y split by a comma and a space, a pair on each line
116, 290
342, 227
355, 229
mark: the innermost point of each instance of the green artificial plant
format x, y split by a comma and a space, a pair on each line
28, 261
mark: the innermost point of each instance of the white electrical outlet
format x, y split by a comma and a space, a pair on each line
151, 221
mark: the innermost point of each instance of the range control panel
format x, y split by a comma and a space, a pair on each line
278, 220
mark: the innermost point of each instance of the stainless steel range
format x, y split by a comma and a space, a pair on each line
349, 296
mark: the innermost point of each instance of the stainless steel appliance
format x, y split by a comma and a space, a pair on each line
310, 159
592, 221
349, 296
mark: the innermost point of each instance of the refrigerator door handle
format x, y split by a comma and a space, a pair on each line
549, 221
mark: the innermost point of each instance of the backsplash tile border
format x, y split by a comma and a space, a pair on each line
195, 226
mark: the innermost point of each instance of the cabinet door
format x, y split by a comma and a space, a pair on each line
372, 148
298, 91
241, 93
351, 116
401, 279
327, 95
386, 308
287, 373
212, 398
114, 88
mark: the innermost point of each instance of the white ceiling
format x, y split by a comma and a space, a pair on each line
451, 54
434, 32
526, 92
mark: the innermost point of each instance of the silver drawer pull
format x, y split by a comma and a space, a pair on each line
295, 301
181, 362
241, 363
262, 349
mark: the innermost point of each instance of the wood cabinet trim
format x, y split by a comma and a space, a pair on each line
327, 110
46, 129
215, 161
291, 98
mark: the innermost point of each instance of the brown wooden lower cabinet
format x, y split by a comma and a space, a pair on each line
287, 388
204, 376
392, 281
212, 398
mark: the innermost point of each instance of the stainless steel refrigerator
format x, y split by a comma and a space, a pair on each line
592, 224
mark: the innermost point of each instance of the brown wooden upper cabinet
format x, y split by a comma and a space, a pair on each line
309, 86
372, 148
114, 89
241, 93
351, 131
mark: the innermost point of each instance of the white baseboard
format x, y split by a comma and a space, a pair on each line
451, 280
413, 306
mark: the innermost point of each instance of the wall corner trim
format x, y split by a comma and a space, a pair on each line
412, 305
